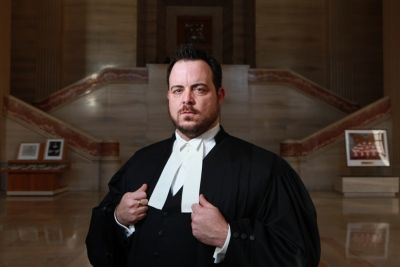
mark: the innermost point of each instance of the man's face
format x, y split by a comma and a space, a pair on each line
194, 103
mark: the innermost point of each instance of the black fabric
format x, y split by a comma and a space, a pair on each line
272, 218
165, 236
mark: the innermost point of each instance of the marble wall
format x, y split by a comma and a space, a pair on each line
104, 35
84, 174
337, 44
293, 34
314, 38
320, 169
36, 48
136, 115
5, 37
392, 71
56, 43
355, 55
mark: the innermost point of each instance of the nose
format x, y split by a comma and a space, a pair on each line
187, 97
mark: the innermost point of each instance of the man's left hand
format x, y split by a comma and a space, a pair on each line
208, 224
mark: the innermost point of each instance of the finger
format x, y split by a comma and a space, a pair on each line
139, 202
132, 202
137, 195
143, 202
141, 210
141, 216
138, 210
140, 191
143, 188
195, 208
203, 201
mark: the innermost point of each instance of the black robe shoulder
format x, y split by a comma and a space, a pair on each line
272, 218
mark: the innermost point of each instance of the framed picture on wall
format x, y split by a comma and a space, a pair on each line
54, 149
367, 148
28, 151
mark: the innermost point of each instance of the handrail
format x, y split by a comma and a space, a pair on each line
308, 87
91, 83
331, 133
48, 125
119, 75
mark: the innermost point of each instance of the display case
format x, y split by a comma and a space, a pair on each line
35, 177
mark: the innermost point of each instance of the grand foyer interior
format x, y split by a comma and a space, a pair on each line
297, 75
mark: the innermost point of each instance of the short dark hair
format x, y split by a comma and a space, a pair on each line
189, 52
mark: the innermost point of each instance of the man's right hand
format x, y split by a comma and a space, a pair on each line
132, 207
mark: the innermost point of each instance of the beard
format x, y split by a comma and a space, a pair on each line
197, 125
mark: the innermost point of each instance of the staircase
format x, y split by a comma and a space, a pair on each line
263, 106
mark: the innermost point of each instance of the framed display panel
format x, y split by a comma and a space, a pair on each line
28, 151
54, 149
367, 148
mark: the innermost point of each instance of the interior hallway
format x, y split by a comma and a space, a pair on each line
50, 231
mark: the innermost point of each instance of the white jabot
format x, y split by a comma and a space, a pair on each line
184, 168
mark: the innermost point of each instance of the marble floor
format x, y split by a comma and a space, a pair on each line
50, 231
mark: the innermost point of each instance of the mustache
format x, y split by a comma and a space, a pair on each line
187, 108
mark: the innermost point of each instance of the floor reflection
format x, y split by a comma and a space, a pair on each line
45, 231
367, 240
28, 234
358, 232
355, 232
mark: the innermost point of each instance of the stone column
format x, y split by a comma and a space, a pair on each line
391, 58
5, 49
5, 52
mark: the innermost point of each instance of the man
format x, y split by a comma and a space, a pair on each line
203, 197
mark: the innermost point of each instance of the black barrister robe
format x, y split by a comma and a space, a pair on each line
272, 218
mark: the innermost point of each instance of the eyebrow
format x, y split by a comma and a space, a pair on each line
193, 85
199, 83
175, 86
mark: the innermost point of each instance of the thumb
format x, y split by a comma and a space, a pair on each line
143, 188
203, 201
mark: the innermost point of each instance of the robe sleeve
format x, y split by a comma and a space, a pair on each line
282, 232
106, 242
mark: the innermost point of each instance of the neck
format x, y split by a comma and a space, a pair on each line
188, 137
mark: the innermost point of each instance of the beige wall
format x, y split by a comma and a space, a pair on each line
36, 48
136, 114
391, 37
293, 34
58, 42
336, 43
5, 30
322, 168
355, 49
83, 174
98, 33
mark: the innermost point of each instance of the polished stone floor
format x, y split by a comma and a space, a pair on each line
50, 231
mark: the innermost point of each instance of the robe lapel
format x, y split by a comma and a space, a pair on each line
218, 183
158, 164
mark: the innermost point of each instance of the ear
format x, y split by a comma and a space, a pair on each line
221, 95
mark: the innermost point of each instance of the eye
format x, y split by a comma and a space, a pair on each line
200, 89
176, 90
